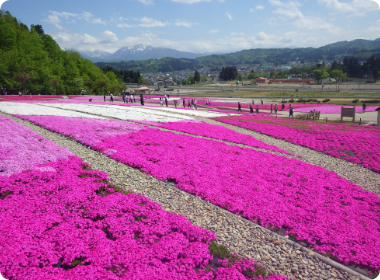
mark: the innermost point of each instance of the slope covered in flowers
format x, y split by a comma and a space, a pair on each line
354, 143
315, 205
62, 220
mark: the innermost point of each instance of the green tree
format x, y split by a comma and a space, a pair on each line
251, 75
240, 77
336, 74
22, 78
55, 83
320, 75
38, 29
197, 76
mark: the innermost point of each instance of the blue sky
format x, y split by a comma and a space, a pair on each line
200, 25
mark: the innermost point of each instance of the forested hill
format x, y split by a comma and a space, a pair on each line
32, 60
361, 49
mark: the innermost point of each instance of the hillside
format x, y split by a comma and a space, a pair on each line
362, 49
32, 60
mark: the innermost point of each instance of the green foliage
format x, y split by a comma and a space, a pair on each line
374, 101
33, 61
219, 251
259, 271
197, 76
325, 100
355, 101
228, 73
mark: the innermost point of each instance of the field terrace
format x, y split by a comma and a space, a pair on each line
241, 175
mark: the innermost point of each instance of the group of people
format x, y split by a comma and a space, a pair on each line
272, 108
129, 97
191, 103
3, 91
164, 99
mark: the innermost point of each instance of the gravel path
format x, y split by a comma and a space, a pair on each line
242, 236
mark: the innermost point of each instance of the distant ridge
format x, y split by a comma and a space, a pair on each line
361, 49
138, 52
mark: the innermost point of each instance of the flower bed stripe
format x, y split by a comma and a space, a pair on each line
314, 205
354, 143
66, 221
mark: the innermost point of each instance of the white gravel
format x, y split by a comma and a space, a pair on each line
35, 109
123, 112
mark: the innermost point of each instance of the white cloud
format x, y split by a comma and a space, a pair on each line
213, 31
185, 23
88, 40
190, 1
289, 9
90, 18
314, 23
109, 37
229, 16
258, 7
149, 22
262, 36
55, 18
358, 7
146, 2
124, 25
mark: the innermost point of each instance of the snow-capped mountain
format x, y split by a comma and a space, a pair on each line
138, 52
95, 55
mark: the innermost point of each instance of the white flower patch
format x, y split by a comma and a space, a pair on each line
197, 113
123, 112
32, 109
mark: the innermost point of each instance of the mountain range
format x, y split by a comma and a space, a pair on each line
138, 52
361, 49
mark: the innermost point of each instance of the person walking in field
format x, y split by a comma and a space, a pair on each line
111, 97
283, 106
166, 101
271, 108
142, 99
290, 111
161, 102
184, 103
253, 102
257, 109
188, 104
239, 107
195, 104
175, 103
364, 106
275, 109
250, 108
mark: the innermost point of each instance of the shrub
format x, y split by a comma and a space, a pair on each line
355, 101
325, 100
371, 101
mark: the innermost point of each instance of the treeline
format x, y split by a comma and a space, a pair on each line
228, 73
125, 75
32, 61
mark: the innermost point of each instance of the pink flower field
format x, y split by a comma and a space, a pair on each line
60, 219
354, 143
314, 205
334, 109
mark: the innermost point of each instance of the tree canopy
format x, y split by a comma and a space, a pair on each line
31, 60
